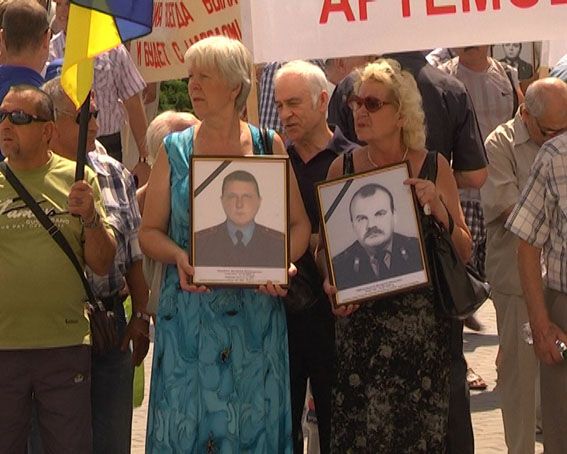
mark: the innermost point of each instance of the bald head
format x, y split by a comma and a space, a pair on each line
545, 109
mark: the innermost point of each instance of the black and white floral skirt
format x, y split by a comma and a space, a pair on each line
392, 390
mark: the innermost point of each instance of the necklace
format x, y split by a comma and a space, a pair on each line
376, 165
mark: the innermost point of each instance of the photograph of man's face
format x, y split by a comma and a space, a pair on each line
372, 216
512, 50
240, 198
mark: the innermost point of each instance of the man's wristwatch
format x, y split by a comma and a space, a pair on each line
142, 315
94, 223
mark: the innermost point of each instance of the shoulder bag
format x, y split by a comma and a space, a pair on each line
102, 321
458, 288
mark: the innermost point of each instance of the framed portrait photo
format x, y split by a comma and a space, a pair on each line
521, 56
239, 232
373, 240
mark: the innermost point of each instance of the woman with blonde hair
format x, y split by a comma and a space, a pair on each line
220, 378
392, 388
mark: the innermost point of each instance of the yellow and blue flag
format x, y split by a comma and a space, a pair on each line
95, 26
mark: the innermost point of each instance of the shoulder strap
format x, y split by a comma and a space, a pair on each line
267, 141
429, 167
48, 225
508, 72
348, 163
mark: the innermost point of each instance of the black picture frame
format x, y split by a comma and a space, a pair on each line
261, 252
364, 272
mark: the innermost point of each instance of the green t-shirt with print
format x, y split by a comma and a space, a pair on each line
41, 295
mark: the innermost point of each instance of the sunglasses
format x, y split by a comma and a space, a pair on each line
370, 103
19, 117
77, 115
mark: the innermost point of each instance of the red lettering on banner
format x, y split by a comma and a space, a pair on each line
214, 6
158, 14
139, 52
406, 11
177, 51
155, 55
524, 3
232, 30
363, 8
433, 10
177, 15
480, 5
330, 7
558, 2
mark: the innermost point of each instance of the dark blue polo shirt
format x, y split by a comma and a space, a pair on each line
315, 171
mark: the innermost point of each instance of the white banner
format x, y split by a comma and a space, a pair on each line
177, 24
290, 29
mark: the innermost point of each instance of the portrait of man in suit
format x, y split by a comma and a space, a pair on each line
378, 252
240, 241
512, 57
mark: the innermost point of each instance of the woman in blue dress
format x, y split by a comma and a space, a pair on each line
220, 379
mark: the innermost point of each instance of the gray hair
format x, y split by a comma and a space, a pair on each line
538, 93
164, 124
312, 73
229, 57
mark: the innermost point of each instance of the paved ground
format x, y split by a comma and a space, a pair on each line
480, 350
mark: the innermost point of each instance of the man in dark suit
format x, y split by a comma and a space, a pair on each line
378, 253
239, 240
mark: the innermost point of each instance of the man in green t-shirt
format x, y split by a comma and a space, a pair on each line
44, 332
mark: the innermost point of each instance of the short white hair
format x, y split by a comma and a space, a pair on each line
314, 75
229, 56
162, 125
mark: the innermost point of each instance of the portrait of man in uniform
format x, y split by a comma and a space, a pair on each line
379, 252
512, 53
240, 241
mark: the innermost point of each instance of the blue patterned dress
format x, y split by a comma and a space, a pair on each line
220, 378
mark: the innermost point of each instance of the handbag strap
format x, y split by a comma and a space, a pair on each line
48, 225
429, 172
266, 141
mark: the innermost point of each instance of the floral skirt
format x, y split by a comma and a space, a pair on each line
392, 392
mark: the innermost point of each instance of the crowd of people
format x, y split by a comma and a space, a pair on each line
231, 365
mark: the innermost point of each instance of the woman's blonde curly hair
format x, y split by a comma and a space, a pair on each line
405, 95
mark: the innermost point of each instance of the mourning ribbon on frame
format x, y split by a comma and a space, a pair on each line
211, 177
338, 199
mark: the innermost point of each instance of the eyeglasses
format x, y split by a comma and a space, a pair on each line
19, 117
77, 115
371, 103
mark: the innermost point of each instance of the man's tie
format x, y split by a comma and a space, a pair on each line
239, 235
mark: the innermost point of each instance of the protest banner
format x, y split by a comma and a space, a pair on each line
177, 24
283, 30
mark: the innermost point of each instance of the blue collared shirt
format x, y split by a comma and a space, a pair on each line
119, 196
247, 231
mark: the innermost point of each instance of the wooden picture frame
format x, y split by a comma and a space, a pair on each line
239, 228
373, 241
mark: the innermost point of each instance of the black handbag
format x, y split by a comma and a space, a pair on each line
104, 334
459, 289
306, 287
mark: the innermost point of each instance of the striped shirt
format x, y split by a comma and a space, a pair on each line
119, 196
540, 216
116, 79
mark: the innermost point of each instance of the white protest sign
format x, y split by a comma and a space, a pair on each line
289, 29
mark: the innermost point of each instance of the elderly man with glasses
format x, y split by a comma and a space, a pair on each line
512, 149
44, 332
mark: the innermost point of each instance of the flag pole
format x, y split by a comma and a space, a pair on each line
82, 141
